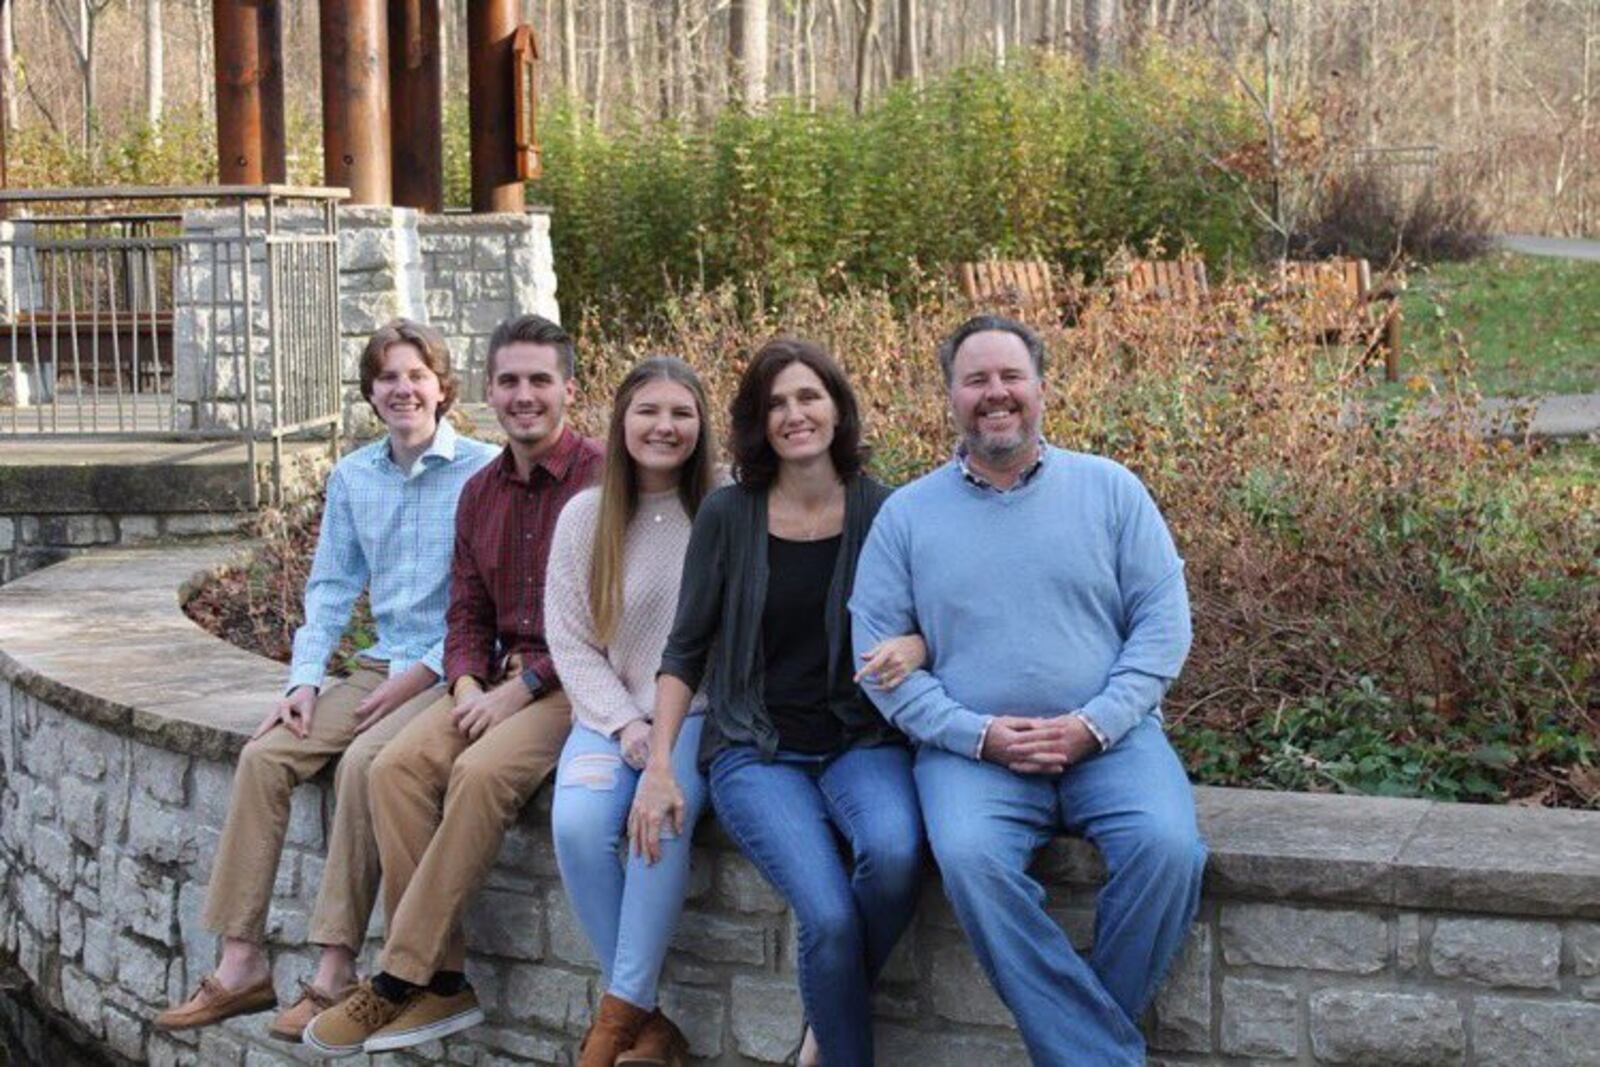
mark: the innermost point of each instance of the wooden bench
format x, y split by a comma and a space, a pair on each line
1020, 283
1343, 307
1164, 280
90, 351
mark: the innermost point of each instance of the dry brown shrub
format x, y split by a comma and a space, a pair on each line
1382, 598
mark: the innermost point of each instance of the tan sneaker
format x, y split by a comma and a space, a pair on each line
428, 1017
214, 1002
290, 1023
342, 1029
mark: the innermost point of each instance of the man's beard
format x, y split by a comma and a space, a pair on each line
996, 451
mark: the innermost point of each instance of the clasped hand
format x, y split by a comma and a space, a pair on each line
477, 711
1038, 746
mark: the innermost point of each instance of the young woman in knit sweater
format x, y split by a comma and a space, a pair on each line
612, 583
796, 758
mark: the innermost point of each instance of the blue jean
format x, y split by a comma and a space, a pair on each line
628, 908
787, 816
1135, 804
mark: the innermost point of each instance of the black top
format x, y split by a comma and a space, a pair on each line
794, 642
716, 634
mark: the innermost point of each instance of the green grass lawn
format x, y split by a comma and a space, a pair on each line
1531, 323
1569, 463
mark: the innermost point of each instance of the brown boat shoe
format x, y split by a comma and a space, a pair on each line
290, 1023
214, 1002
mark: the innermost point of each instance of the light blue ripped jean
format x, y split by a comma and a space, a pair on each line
628, 909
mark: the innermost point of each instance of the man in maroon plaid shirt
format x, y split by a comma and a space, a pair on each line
445, 790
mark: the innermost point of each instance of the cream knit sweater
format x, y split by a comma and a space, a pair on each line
611, 685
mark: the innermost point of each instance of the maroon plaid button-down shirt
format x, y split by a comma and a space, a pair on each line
504, 526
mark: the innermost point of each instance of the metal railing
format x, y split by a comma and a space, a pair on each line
212, 317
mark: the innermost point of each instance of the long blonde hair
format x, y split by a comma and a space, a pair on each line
619, 485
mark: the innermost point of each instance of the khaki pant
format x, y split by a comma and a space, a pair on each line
246, 864
441, 807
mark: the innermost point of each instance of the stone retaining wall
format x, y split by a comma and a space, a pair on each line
29, 542
1333, 930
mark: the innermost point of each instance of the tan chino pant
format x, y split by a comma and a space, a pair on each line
270, 767
441, 806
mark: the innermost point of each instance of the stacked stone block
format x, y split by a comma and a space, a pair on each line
462, 273
28, 542
107, 842
1333, 930
480, 270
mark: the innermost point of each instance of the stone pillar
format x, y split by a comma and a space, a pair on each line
480, 270
380, 278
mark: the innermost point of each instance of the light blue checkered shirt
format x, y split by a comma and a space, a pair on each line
392, 534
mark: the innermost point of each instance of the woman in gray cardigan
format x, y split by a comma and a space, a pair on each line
795, 755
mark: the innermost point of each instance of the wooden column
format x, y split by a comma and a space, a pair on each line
274, 141
236, 32
249, 62
417, 101
355, 99
491, 24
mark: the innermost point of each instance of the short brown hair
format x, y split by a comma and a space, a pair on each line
536, 330
429, 343
755, 464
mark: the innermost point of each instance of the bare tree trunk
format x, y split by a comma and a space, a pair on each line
1585, 111
1455, 67
630, 52
80, 34
601, 44
1097, 32
8, 60
665, 24
205, 56
154, 63
797, 29
908, 50
866, 35
569, 49
997, 32
747, 51
811, 53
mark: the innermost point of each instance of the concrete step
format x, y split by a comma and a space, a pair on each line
40, 476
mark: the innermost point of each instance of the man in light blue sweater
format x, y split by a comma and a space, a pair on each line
1053, 603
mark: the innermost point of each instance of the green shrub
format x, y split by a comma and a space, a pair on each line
1034, 161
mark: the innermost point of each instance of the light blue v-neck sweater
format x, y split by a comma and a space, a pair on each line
1064, 594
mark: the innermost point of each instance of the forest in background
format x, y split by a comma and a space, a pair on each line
1496, 95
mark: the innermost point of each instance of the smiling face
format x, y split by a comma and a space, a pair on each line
660, 430
406, 393
996, 396
801, 415
529, 394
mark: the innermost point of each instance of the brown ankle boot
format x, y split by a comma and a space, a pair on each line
616, 1026
660, 1044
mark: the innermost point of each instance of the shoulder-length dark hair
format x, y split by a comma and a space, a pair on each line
755, 464
619, 484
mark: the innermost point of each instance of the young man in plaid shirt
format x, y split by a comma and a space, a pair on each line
442, 796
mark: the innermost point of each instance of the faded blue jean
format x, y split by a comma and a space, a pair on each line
788, 817
1135, 804
628, 908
